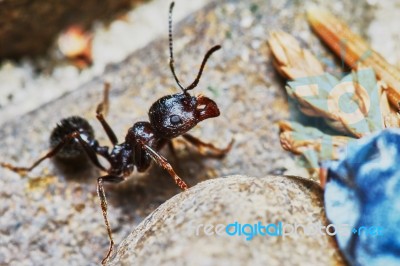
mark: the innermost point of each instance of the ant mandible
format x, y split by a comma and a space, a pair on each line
170, 116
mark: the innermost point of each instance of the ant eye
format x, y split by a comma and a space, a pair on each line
175, 119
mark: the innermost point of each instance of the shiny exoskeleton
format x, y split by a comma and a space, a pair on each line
169, 117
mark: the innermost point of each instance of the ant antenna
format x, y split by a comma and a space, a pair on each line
208, 54
171, 50
171, 59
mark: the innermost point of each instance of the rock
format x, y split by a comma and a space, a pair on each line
363, 192
185, 230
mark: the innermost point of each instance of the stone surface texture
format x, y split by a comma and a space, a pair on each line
176, 234
53, 216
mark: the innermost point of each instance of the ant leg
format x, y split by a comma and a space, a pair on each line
89, 151
103, 204
101, 111
54, 151
161, 161
213, 151
172, 149
105, 104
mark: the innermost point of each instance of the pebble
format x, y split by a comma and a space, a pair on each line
189, 229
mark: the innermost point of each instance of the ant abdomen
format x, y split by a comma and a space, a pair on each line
72, 150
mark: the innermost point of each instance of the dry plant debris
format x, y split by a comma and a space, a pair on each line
362, 102
76, 45
354, 50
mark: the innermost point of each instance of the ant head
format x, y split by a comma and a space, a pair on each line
176, 114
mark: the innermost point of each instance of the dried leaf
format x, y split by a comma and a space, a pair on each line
290, 59
297, 138
350, 106
314, 145
354, 50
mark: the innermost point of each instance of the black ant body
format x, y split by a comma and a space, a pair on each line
170, 116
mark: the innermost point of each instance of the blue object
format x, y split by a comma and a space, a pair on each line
363, 192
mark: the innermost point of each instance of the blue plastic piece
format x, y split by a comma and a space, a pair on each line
363, 192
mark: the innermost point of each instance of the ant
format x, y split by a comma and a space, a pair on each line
170, 116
